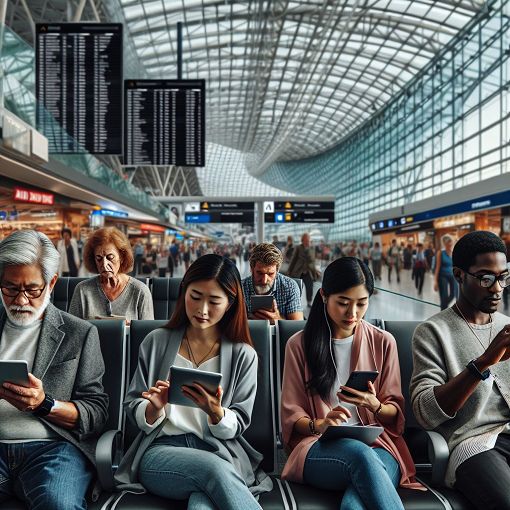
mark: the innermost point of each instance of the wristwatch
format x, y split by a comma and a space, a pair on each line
471, 366
44, 408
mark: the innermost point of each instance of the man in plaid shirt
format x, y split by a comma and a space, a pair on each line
265, 261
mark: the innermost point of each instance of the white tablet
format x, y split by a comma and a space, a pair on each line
180, 376
14, 371
365, 433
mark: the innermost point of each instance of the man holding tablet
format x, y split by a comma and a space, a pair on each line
269, 294
49, 420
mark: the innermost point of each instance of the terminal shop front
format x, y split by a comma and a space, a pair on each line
489, 212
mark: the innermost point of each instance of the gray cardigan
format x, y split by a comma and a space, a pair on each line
70, 365
442, 347
238, 362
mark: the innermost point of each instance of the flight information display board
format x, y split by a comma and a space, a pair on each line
299, 212
219, 212
79, 85
164, 122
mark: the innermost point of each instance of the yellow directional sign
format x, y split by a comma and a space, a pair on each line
288, 205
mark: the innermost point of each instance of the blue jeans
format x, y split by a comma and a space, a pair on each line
369, 476
44, 474
184, 467
448, 289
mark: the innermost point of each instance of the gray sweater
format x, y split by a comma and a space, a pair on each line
89, 301
442, 347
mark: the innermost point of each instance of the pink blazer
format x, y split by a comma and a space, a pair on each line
298, 402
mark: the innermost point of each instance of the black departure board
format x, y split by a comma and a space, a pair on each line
219, 212
79, 85
164, 122
299, 212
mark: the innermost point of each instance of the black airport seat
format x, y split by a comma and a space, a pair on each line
260, 434
305, 497
114, 349
165, 292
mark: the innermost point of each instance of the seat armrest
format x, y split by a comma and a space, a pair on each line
438, 454
108, 454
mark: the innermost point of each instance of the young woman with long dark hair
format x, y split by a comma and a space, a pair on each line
198, 452
318, 361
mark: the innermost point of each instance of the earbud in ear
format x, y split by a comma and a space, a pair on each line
324, 300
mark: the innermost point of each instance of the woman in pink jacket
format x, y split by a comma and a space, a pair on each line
318, 360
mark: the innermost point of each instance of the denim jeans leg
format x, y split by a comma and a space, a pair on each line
443, 291
345, 463
54, 474
175, 472
5, 479
200, 501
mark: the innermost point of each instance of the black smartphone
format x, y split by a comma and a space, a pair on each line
358, 380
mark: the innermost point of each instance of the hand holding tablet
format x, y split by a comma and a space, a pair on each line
188, 378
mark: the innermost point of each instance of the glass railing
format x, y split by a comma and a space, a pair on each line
17, 60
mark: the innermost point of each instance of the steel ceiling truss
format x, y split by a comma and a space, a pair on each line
287, 79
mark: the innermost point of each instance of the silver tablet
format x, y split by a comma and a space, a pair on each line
14, 371
186, 377
365, 433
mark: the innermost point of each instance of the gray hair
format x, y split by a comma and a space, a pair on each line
26, 248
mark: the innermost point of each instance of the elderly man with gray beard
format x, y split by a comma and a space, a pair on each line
49, 427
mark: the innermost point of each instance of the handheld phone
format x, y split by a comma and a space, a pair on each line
358, 380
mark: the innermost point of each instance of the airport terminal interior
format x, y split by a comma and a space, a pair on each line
322, 130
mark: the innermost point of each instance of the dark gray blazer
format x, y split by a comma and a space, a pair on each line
238, 362
70, 364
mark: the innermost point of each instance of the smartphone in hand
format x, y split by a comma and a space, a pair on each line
358, 380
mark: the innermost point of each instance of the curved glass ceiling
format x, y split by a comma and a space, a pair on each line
289, 79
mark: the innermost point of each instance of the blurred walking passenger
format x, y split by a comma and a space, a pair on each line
376, 258
302, 265
69, 256
113, 292
419, 268
444, 281
198, 451
393, 260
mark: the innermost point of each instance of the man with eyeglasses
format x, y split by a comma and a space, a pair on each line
48, 427
461, 380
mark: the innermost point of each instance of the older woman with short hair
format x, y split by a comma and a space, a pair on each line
113, 293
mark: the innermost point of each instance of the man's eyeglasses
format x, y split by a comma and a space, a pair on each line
488, 280
13, 292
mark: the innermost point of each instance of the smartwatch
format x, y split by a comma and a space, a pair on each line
44, 408
471, 366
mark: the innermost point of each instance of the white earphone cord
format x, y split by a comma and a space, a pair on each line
333, 358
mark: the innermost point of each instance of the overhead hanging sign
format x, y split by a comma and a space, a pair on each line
164, 122
219, 212
289, 211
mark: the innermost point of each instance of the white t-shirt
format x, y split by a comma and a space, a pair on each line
342, 348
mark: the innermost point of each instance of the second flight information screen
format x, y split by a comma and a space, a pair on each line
79, 86
164, 122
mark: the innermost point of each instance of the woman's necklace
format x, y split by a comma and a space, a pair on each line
473, 329
191, 355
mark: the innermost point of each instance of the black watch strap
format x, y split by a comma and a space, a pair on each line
44, 408
471, 366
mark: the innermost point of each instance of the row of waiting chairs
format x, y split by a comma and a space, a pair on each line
120, 352
164, 293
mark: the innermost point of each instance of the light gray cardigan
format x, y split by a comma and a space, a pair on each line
238, 362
